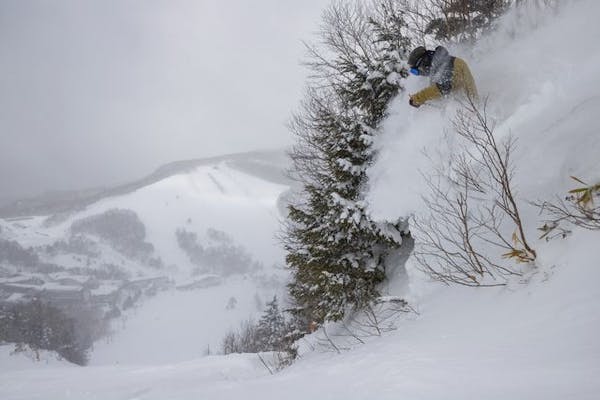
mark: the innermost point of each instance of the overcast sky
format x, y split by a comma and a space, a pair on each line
101, 92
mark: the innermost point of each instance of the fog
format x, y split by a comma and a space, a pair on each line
95, 93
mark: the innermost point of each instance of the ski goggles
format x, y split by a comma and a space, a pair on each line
416, 69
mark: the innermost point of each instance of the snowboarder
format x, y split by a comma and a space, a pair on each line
447, 74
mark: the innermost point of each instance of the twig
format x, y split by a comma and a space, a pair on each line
264, 363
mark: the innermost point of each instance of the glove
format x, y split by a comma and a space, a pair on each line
412, 103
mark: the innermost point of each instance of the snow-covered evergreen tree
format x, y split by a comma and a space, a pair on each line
272, 326
337, 253
464, 20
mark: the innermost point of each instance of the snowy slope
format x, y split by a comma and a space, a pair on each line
537, 342
216, 195
179, 326
530, 340
231, 196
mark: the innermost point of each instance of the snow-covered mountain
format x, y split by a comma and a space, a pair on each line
535, 338
198, 236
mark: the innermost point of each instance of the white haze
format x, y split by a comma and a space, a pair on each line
100, 92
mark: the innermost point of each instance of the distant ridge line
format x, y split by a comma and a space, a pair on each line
258, 163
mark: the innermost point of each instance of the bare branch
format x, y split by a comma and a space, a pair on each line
468, 204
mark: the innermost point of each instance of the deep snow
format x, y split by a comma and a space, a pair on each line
537, 338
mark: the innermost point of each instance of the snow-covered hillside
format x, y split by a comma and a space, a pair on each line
536, 338
208, 236
196, 196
